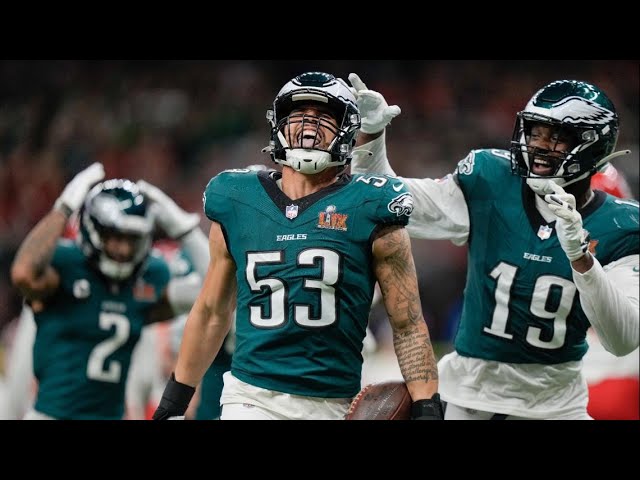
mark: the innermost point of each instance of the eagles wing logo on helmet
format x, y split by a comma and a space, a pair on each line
401, 205
579, 110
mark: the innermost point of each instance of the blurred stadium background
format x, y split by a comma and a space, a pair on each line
176, 123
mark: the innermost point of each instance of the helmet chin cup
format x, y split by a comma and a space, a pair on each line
308, 161
115, 270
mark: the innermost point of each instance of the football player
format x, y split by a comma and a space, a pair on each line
614, 386
298, 252
91, 297
548, 257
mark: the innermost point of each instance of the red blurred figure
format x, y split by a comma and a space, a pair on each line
614, 386
611, 181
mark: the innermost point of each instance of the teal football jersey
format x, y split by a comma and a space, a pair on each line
521, 305
304, 276
86, 334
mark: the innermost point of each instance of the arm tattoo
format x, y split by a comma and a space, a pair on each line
37, 249
415, 354
396, 274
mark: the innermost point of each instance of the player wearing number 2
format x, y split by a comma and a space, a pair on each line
548, 257
92, 297
299, 252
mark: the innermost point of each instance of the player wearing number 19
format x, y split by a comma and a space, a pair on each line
302, 249
92, 297
547, 258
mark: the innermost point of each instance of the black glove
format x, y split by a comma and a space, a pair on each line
427, 409
175, 400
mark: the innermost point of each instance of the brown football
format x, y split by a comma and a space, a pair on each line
381, 401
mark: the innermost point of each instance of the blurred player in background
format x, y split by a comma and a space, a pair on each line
20, 382
614, 386
155, 354
303, 282
152, 361
548, 257
92, 297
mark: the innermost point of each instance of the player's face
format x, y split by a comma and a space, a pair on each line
119, 246
310, 127
552, 144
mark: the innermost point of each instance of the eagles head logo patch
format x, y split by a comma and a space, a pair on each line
401, 205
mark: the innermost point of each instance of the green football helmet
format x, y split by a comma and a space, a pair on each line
308, 89
115, 206
576, 110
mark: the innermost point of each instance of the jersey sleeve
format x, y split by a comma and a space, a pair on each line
396, 202
626, 218
64, 255
211, 200
157, 273
479, 171
216, 202
67, 261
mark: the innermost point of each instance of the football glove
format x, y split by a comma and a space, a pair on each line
375, 113
573, 238
427, 409
71, 198
175, 400
173, 220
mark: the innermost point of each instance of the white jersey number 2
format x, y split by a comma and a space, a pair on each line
97, 367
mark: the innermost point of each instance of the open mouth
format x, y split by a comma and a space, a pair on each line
309, 139
543, 167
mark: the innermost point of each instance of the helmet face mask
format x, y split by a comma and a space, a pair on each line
573, 110
327, 94
116, 208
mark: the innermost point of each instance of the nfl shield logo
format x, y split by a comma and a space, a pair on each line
544, 232
291, 211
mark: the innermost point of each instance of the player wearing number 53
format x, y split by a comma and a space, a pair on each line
547, 256
299, 252
91, 297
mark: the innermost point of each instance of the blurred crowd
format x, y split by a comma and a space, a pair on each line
177, 123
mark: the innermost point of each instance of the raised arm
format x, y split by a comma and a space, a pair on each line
440, 211
31, 271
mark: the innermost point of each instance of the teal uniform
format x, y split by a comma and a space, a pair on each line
212, 383
86, 334
211, 387
304, 275
520, 302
